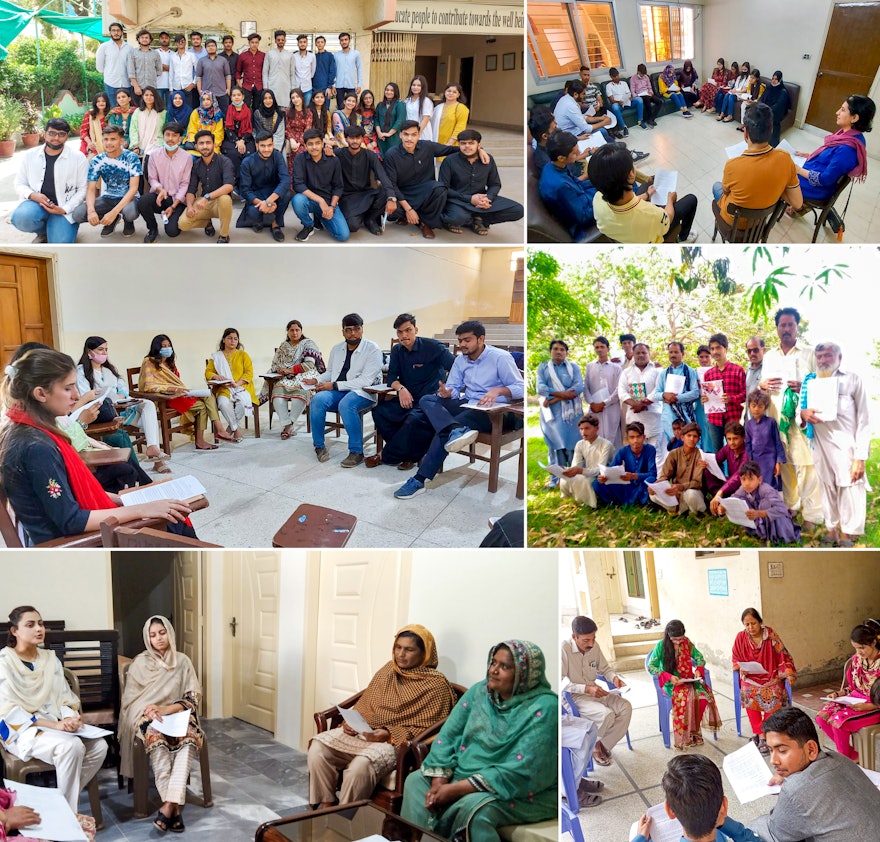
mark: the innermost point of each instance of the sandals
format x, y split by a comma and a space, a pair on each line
480, 227
162, 822
159, 467
177, 825
224, 437
453, 229
286, 432
208, 447
728, 119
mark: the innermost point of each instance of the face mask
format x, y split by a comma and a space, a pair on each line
99, 358
166, 352
172, 148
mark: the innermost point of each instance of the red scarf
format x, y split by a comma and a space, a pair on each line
853, 139
242, 116
86, 489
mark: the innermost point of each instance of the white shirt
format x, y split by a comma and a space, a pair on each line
304, 69
650, 417
165, 75
181, 71
112, 63
619, 91
71, 169
365, 368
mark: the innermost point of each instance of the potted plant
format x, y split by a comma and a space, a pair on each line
11, 112
30, 125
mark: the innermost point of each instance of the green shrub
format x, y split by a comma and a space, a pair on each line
60, 68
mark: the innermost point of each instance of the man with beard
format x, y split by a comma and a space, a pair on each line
209, 195
111, 61
264, 187
362, 204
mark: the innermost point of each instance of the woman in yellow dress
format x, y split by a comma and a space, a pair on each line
208, 116
231, 365
451, 116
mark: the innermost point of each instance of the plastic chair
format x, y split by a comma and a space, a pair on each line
738, 707
570, 807
664, 702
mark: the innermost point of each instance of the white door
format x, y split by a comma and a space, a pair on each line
253, 630
188, 617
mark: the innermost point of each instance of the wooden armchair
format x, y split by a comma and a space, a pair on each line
256, 405
14, 538
389, 793
116, 536
164, 412
497, 438
17, 770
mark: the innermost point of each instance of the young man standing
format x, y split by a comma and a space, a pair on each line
182, 72
212, 74
144, 66
111, 60
349, 72
303, 68
230, 55
165, 53
278, 74
733, 380
213, 176
197, 49
249, 71
119, 172
324, 78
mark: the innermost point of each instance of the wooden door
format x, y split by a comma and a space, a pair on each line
849, 61
188, 613
25, 313
254, 635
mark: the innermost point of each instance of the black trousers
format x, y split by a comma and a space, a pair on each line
149, 206
357, 208
406, 432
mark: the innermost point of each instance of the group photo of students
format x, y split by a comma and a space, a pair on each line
280, 728
767, 719
716, 421
649, 124
253, 420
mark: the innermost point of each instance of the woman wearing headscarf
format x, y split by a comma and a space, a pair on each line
209, 117
269, 119
404, 698
494, 761
688, 79
238, 130
776, 96
161, 681
179, 110
667, 82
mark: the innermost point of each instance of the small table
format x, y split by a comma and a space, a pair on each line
344, 823
383, 393
315, 526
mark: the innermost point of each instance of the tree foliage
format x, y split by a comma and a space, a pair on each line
60, 68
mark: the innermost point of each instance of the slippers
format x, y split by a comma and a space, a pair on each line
223, 437
147, 457
162, 822
161, 468
480, 227
453, 229
208, 447
177, 825
589, 800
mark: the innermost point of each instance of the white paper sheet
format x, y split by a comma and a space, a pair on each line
674, 383
714, 390
181, 488
546, 412
735, 509
736, 150
712, 462
612, 474
822, 395
57, 820
663, 829
849, 701
660, 495
87, 732
665, 182
556, 470
618, 691
748, 774
198, 393
172, 724
701, 372
97, 401
601, 395
873, 776
594, 141
785, 146
752, 667
354, 720
219, 381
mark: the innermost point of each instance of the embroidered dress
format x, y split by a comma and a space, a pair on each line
691, 703
839, 721
764, 694
304, 356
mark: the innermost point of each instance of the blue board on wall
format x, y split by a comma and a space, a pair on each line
718, 582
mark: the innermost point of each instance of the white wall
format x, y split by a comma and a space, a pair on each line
72, 585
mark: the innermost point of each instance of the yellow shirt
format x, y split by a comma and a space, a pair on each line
638, 221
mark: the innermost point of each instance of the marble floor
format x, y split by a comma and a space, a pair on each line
695, 147
632, 782
254, 779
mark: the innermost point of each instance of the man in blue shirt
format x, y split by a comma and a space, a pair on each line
487, 376
349, 72
416, 368
325, 68
568, 199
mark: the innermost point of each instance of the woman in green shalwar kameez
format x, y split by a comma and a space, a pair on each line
494, 761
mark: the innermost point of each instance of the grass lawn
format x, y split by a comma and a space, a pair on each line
557, 521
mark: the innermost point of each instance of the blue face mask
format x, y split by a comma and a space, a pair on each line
173, 148
166, 352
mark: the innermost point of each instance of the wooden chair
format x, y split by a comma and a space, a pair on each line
389, 793
497, 438
14, 536
822, 210
164, 412
116, 536
758, 222
17, 770
139, 784
256, 407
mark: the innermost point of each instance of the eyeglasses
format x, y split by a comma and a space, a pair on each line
752, 350
54, 133
352, 329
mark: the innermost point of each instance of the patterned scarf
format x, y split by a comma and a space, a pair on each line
686, 700
855, 140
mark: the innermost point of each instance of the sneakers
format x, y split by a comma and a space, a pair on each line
107, 230
643, 124
625, 131
323, 454
152, 236
460, 438
128, 229
305, 233
409, 489
687, 114
691, 238
638, 156
258, 226
352, 460
209, 230
40, 238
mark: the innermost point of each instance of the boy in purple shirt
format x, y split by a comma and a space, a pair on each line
763, 444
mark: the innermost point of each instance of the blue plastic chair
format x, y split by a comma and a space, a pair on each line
664, 702
738, 706
570, 809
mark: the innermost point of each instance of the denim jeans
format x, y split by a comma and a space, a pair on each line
678, 99
717, 190
617, 109
349, 405
111, 93
33, 219
304, 208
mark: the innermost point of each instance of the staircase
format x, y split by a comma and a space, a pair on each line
499, 332
504, 145
630, 648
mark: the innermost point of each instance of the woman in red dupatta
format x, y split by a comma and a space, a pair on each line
676, 662
49, 487
761, 694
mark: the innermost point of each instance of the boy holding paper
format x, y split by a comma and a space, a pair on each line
695, 798
684, 472
639, 460
767, 510
589, 453
733, 384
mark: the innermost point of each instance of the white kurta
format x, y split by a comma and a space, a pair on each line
589, 456
598, 375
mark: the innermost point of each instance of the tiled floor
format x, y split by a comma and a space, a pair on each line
632, 782
695, 147
253, 487
254, 779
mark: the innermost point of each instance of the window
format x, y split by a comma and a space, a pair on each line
668, 32
563, 36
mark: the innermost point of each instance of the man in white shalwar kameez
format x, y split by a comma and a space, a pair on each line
601, 377
840, 446
635, 390
589, 453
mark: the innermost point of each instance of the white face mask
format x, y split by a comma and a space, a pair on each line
171, 148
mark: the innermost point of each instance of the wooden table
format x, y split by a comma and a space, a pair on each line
315, 526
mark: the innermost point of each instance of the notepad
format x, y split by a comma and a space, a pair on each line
181, 488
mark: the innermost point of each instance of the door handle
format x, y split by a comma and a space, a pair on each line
233, 625
820, 73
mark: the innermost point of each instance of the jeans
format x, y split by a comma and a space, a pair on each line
349, 406
307, 97
111, 93
304, 208
103, 205
617, 109
444, 415
717, 191
716, 435
33, 219
341, 94
729, 104
678, 99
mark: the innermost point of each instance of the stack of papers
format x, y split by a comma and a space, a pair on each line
612, 474
594, 141
748, 774
849, 701
182, 488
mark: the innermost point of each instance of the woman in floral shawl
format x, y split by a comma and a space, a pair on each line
674, 661
839, 721
159, 682
494, 761
296, 357
404, 698
761, 694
